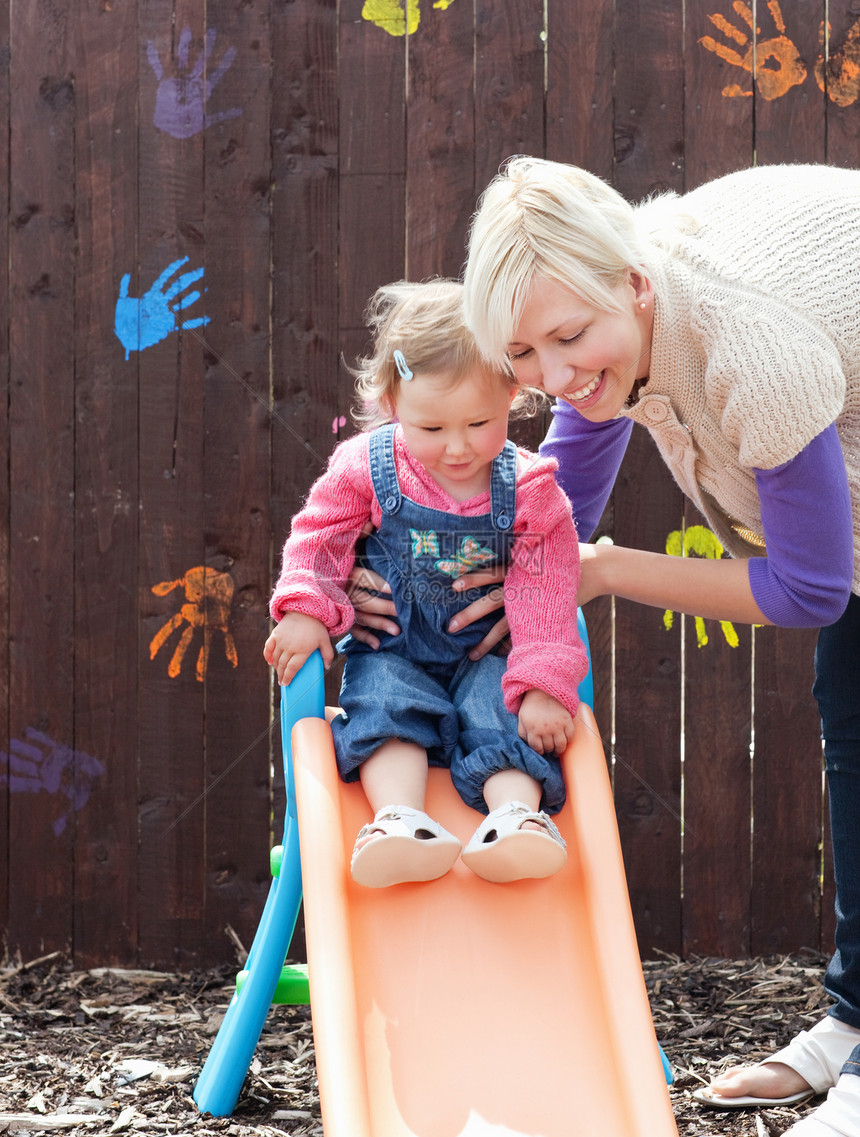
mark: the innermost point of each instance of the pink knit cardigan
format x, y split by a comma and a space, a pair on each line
540, 586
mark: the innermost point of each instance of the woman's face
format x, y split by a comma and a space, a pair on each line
587, 356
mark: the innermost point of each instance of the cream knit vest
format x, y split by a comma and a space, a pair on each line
756, 344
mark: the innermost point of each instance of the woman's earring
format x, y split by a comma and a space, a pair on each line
642, 305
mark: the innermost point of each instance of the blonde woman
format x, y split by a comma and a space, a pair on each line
726, 322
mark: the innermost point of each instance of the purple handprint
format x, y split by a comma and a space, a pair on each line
180, 103
37, 763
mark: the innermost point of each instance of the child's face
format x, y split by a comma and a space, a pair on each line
455, 430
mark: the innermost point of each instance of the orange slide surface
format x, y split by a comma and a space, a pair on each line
462, 1008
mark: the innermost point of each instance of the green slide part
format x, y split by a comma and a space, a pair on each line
292, 987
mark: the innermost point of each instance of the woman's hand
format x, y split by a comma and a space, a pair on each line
295, 638
370, 611
492, 601
544, 723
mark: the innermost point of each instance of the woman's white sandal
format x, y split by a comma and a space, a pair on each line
502, 850
816, 1054
408, 846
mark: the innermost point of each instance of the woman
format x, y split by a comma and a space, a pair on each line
726, 322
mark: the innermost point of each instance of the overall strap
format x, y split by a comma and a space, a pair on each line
503, 488
383, 472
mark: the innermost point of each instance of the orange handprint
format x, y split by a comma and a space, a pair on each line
210, 596
839, 75
774, 64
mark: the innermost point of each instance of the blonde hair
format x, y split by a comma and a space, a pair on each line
424, 322
541, 219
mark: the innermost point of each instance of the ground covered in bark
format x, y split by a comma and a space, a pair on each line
110, 1052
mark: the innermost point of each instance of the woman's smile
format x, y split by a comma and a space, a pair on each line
590, 357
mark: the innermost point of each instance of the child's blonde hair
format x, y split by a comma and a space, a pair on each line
423, 322
544, 219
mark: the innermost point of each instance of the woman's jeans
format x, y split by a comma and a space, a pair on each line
837, 689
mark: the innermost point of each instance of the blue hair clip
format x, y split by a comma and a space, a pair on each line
402, 366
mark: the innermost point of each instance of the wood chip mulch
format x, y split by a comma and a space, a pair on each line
108, 1052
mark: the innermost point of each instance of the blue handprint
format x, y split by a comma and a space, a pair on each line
141, 323
180, 104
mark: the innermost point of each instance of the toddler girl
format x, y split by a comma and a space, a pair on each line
445, 492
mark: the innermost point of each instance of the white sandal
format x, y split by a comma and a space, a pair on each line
410, 846
817, 1054
502, 851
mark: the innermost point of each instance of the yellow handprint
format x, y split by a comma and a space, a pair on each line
839, 76
397, 17
699, 540
774, 64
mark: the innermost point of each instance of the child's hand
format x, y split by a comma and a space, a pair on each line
544, 723
295, 638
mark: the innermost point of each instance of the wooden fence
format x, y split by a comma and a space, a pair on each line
200, 195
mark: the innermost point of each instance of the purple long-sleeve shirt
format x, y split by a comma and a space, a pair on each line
805, 579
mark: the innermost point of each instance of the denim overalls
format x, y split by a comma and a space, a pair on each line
420, 686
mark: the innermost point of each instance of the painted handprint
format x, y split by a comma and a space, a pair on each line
140, 323
839, 75
774, 64
209, 596
36, 764
397, 17
699, 541
180, 102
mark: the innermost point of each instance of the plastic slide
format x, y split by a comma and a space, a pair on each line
461, 1008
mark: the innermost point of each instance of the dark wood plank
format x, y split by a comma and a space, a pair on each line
579, 110
509, 82
648, 140
441, 138
6, 494
649, 97
371, 65
790, 108
236, 477
718, 132
305, 283
172, 543
836, 72
787, 814
106, 554
717, 773
790, 126
648, 677
41, 423
718, 109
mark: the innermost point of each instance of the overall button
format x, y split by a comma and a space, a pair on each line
390, 502
503, 521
